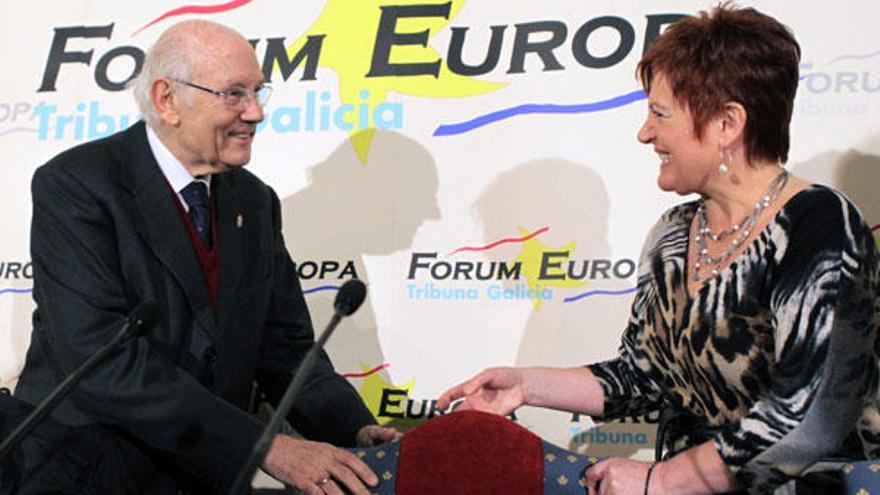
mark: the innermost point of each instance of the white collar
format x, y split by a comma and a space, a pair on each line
175, 173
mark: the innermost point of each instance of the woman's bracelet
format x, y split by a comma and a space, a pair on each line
648, 476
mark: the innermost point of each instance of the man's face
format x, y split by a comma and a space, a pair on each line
214, 136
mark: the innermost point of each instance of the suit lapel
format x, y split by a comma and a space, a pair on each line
229, 223
160, 225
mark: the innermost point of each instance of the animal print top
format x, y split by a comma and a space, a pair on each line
777, 355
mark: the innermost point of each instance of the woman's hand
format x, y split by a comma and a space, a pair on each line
373, 435
495, 390
620, 476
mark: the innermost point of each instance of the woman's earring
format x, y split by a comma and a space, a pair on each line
734, 176
722, 167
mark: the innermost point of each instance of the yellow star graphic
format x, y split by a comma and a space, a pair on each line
350, 29
530, 258
371, 392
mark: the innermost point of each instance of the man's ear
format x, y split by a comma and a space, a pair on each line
732, 123
166, 101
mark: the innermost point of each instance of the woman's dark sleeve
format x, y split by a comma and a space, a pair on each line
825, 328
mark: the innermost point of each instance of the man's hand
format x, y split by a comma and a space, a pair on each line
372, 435
317, 468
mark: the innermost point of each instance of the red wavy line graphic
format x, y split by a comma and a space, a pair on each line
875, 227
196, 9
502, 241
367, 373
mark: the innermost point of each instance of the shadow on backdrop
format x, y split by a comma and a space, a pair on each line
855, 174
349, 210
571, 200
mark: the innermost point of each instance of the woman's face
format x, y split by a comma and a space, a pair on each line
686, 163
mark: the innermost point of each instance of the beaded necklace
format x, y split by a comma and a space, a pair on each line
742, 229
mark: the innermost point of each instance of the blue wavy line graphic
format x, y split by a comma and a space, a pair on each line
16, 291
320, 288
599, 292
17, 129
538, 108
853, 57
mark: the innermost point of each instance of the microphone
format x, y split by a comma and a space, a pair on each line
142, 317
349, 298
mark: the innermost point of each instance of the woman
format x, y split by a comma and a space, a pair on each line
755, 319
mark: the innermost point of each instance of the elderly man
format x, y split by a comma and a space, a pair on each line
164, 211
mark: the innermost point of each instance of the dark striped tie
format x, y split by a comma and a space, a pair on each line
196, 196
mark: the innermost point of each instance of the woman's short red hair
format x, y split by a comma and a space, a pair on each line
731, 54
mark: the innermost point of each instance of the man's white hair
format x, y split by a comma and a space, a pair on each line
179, 53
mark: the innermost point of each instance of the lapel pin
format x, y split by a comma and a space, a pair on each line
239, 220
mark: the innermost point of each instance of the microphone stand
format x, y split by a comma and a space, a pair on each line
141, 317
274, 425
348, 300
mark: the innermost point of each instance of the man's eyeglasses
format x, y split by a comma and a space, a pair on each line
235, 97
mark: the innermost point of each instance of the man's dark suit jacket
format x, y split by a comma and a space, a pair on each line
106, 236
